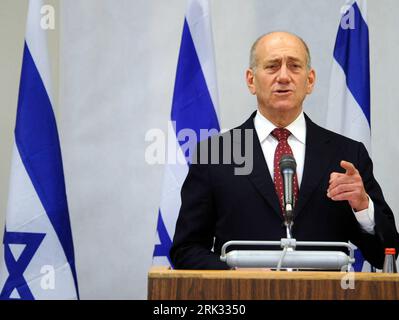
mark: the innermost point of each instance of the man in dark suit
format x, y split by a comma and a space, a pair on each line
338, 198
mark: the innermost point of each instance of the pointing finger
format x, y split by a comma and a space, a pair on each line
349, 167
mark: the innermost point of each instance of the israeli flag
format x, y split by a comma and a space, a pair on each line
38, 250
349, 97
193, 113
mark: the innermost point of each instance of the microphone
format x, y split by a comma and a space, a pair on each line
287, 166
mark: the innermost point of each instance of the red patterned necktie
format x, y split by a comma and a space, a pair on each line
283, 148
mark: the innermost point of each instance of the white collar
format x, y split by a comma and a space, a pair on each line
264, 127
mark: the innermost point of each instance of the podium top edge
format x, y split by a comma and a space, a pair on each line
258, 273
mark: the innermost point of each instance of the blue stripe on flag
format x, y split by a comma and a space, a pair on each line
352, 53
192, 105
38, 144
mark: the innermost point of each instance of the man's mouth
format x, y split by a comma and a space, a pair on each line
282, 91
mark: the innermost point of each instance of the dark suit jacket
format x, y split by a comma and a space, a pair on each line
218, 205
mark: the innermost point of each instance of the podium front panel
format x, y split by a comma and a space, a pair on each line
255, 284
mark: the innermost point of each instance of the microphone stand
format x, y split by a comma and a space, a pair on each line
287, 244
288, 220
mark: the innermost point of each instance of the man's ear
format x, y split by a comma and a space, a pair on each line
311, 81
249, 75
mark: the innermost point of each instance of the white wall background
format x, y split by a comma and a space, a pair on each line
115, 64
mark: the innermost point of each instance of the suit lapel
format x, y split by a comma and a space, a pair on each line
318, 155
260, 175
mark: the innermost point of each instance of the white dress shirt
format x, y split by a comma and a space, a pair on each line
297, 142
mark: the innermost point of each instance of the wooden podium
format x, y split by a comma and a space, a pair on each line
255, 284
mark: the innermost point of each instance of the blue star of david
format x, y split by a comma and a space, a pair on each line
162, 249
16, 268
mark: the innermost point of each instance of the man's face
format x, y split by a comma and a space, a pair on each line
281, 79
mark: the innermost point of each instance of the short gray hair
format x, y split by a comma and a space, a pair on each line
253, 58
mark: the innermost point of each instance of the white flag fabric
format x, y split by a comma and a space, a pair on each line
193, 110
38, 249
349, 96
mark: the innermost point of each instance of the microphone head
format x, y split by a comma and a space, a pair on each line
287, 162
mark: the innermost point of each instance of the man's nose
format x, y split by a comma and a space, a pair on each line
283, 75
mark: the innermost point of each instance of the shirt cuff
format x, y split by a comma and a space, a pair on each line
366, 218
